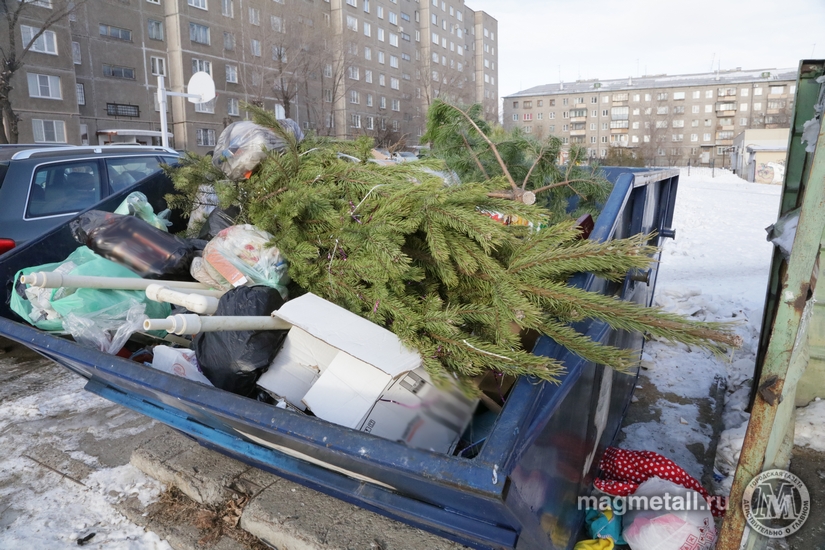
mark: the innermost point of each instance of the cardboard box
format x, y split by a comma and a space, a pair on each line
352, 372
413, 411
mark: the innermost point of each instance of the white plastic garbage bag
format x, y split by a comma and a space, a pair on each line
180, 362
682, 525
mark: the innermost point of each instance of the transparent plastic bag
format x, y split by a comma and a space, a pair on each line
82, 300
240, 255
206, 201
108, 329
243, 145
136, 204
180, 362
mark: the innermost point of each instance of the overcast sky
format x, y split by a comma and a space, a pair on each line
541, 40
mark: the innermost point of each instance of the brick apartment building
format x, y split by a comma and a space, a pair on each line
340, 67
667, 120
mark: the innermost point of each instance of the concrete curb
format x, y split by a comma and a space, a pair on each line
281, 513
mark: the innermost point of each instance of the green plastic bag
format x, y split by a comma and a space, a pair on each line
81, 301
136, 204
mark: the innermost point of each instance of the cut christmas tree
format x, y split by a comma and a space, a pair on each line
433, 262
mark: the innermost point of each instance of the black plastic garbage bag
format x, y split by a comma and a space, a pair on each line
233, 360
130, 241
218, 219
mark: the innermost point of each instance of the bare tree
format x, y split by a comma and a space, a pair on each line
13, 55
658, 144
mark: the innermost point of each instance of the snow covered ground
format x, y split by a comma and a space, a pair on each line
49, 424
716, 269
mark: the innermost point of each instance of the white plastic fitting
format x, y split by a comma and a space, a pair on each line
47, 279
197, 303
192, 324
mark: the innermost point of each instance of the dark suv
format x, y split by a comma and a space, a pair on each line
43, 187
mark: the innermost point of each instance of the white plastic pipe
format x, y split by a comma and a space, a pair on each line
193, 324
48, 279
197, 303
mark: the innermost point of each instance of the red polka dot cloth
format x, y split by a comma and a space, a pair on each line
623, 471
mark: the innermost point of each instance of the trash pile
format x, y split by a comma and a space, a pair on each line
648, 502
380, 298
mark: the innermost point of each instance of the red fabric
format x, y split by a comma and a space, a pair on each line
623, 471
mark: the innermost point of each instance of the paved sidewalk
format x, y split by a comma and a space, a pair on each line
281, 513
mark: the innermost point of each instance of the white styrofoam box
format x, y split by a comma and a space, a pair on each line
300, 362
346, 391
350, 333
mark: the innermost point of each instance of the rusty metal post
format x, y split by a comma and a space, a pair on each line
791, 316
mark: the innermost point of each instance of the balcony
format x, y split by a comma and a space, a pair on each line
618, 130
579, 119
578, 132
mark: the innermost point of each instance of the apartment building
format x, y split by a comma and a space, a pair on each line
667, 120
340, 67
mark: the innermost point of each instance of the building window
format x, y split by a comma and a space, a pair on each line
353, 3
45, 43
352, 23
199, 33
205, 136
119, 109
227, 8
158, 65
743, 92
207, 107
354, 73
776, 90
76, 53
228, 41
355, 121
279, 54
369, 100
694, 109
233, 107
232, 73
393, 39
155, 29
382, 102
49, 131
757, 106
116, 32
255, 46
354, 97
515, 117
757, 91
200, 4
254, 16
115, 71
394, 83
81, 94
393, 62
382, 80
743, 121
199, 65
705, 137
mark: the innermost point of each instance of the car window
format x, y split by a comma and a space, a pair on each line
124, 172
4, 167
64, 188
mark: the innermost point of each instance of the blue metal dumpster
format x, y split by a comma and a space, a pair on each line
519, 491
